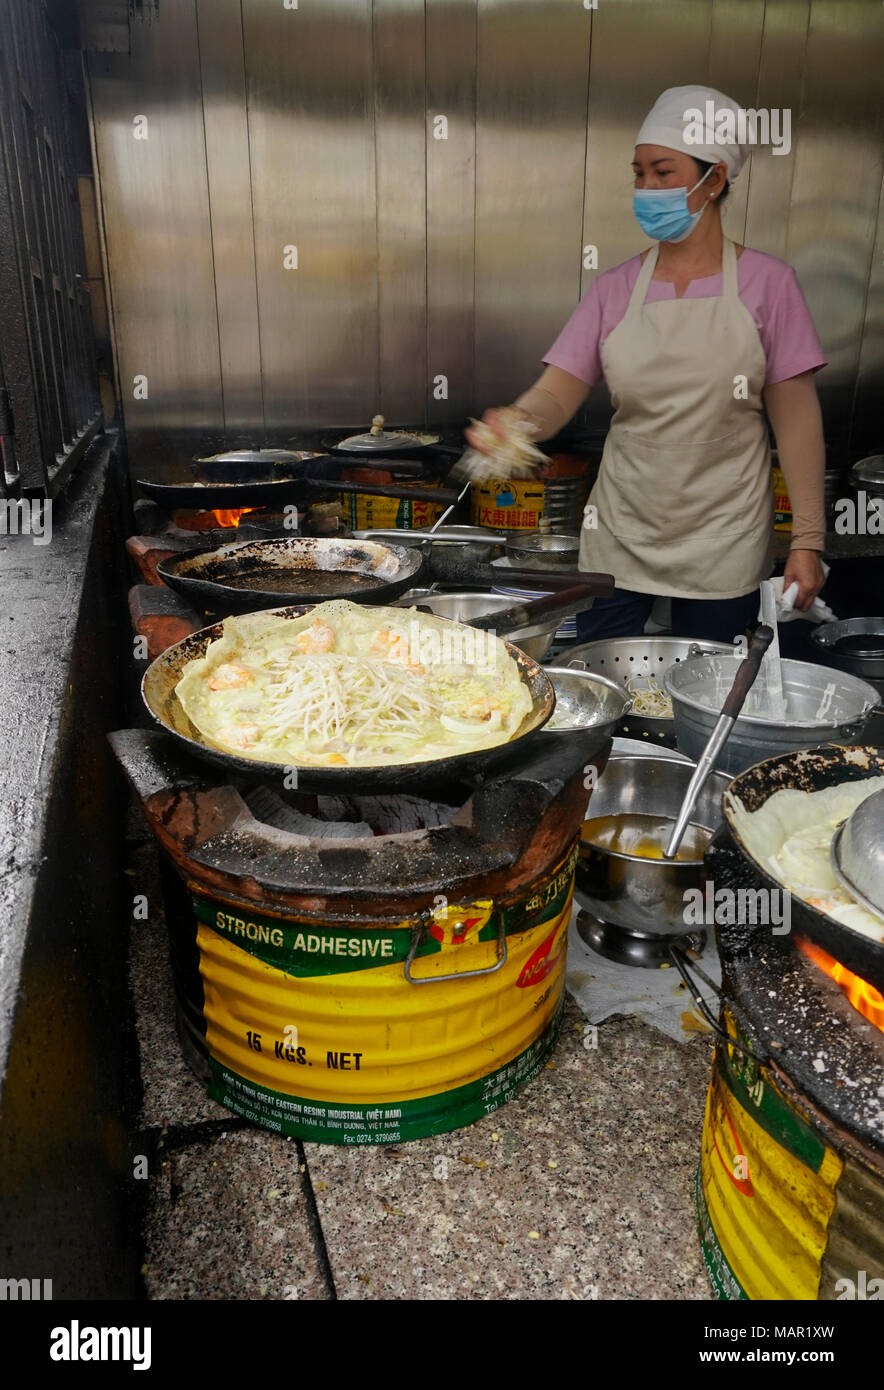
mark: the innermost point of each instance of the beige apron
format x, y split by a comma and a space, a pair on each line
684, 495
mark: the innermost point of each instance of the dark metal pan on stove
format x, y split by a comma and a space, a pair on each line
810, 770
384, 442
249, 575
163, 675
242, 481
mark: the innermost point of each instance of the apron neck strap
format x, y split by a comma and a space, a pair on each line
728, 273
640, 288
728, 269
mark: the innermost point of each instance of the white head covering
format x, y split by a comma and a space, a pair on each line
698, 121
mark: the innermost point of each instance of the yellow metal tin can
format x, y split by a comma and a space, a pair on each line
512, 504
350, 1033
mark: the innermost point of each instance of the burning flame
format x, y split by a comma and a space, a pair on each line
232, 516
209, 521
861, 994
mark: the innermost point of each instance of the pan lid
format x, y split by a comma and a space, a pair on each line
857, 853
259, 456
378, 440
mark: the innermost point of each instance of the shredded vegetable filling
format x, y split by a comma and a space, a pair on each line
330, 698
343, 685
649, 701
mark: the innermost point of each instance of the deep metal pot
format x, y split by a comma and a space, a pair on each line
861, 655
645, 896
824, 706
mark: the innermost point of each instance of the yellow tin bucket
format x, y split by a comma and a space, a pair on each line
766, 1190
353, 1033
508, 505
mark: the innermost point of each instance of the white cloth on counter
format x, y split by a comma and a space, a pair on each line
602, 988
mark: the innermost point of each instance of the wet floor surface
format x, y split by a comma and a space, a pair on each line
579, 1188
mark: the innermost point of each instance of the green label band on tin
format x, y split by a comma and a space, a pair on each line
760, 1097
303, 950
724, 1282
382, 1122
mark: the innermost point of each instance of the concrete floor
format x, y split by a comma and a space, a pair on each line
579, 1188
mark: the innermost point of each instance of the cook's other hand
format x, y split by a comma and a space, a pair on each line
805, 569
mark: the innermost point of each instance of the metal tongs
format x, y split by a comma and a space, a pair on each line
743, 682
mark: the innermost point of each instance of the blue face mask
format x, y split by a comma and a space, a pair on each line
662, 213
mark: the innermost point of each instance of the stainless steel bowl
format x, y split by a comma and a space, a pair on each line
585, 701
868, 475
823, 705
463, 607
857, 854
645, 896
541, 550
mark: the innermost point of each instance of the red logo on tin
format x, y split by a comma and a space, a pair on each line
538, 966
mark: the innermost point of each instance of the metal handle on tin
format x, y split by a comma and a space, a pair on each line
679, 960
418, 936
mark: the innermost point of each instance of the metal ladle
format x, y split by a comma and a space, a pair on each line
743, 682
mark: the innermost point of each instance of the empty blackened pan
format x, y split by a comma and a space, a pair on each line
247, 480
163, 675
248, 575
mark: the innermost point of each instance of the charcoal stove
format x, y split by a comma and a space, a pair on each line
380, 986
790, 1185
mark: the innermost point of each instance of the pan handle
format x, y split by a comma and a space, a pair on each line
419, 935
525, 615
444, 495
680, 961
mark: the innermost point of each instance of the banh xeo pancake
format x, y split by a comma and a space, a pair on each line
791, 835
345, 685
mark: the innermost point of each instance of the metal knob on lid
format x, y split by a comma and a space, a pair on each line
857, 853
381, 441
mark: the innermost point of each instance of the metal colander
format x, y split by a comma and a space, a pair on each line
619, 658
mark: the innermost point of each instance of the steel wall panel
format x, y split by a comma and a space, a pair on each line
400, 155
836, 188
533, 62
222, 72
451, 208
310, 100
157, 225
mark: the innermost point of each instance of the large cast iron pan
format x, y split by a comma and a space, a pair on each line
249, 575
812, 770
247, 481
158, 693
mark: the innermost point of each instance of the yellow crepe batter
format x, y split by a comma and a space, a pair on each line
346, 685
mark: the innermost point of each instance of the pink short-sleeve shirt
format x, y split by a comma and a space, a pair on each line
766, 285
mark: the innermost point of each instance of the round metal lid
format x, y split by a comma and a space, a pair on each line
857, 853
378, 440
869, 470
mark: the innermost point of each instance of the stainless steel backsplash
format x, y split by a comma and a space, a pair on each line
433, 273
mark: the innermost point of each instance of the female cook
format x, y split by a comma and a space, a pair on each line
697, 339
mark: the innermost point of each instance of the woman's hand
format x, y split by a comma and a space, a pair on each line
495, 419
804, 568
